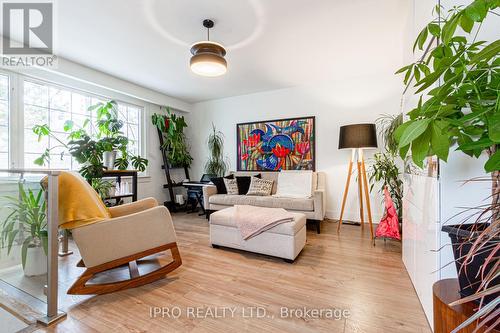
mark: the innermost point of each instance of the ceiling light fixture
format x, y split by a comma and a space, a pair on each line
208, 57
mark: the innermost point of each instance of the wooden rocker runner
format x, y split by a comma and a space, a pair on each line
111, 237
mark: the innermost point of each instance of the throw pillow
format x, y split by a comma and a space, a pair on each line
231, 186
260, 187
295, 184
219, 183
244, 183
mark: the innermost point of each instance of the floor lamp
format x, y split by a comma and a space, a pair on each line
358, 137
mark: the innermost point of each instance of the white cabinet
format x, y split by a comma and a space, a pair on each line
428, 204
421, 235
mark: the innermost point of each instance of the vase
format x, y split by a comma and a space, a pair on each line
468, 278
109, 158
36, 261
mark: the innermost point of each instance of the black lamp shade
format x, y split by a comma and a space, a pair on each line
358, 136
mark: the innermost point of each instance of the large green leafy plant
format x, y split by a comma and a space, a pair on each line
216, 163
464, 76
27, 214
458, 78
87, 144
172, 128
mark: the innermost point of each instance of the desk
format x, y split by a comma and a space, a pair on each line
196, 188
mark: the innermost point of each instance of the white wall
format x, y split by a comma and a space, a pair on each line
356, 100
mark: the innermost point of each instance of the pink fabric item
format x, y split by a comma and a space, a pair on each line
253, 221
389, 225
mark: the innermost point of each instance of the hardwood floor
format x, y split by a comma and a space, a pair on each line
333, 271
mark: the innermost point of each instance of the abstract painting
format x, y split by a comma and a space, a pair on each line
274, 145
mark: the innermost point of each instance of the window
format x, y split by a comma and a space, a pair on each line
4, 121
130, 116
44, 103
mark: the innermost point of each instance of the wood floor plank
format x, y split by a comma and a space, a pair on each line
342, 271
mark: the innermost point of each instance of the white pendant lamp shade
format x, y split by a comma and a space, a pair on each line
208, 57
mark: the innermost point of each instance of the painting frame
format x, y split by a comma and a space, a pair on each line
311, 120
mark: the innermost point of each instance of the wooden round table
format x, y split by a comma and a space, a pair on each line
446, 317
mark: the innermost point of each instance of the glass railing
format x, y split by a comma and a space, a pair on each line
29, 240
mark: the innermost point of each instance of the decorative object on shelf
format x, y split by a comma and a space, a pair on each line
94, 146
174, 150
208, 57
217, 163
27, 213
179, 199
462, 110
358, 137
274, 145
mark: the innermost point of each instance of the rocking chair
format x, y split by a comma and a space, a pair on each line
111, 237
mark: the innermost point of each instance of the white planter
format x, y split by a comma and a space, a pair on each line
109, 158
36, 262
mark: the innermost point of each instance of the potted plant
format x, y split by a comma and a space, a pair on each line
216, 163
97, 151
103, 187
172, 127
384, 169
27, 215
461, 110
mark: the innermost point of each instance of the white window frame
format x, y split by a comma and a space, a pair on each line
16, 112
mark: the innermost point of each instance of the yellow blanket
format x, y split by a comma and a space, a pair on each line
79, 203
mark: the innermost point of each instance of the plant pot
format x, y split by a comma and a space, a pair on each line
468, 277
36, 261
109, 158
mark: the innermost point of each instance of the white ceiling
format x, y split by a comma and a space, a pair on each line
271, 44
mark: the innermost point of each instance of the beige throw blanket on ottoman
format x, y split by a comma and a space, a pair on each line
254, 220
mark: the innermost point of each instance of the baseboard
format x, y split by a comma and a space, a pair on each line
351, 216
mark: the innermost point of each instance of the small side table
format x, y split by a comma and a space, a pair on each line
447, 318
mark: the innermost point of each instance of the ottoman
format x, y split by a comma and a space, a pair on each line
285, 240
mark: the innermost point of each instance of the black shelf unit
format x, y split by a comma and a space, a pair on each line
170, 185
118, 174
